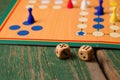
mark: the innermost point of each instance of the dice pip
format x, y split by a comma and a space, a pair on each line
62, 51
85, 52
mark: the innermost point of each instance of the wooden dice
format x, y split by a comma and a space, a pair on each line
62, 51
85, 52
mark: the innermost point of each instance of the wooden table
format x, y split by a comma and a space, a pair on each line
109, 60
19, 62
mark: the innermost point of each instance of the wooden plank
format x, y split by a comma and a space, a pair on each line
40, 63
95, 71
110, 63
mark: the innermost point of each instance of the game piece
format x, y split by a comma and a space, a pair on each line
84, 5
100, 4
70, 4
100, 11
113, 17
101, 1
85, 52
30, 19
62, 51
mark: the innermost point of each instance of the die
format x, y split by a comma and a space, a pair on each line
62, 51
85, 52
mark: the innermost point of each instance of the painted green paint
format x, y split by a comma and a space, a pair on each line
48, 43
113, 57
23, 63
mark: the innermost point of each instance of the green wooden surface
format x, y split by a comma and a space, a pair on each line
114, 58
39, 63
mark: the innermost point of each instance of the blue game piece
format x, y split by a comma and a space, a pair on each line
100, 4
100, 11
30, 19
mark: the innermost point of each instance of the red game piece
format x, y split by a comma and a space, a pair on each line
70, 4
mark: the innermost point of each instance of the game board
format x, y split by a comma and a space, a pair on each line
55, 23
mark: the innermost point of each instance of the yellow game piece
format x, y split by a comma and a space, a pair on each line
113, 3
113, 17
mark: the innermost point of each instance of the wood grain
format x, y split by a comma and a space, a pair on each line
40, 63
110, 62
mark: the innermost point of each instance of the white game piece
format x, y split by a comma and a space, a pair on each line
84, 5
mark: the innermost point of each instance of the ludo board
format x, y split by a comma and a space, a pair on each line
55, 23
